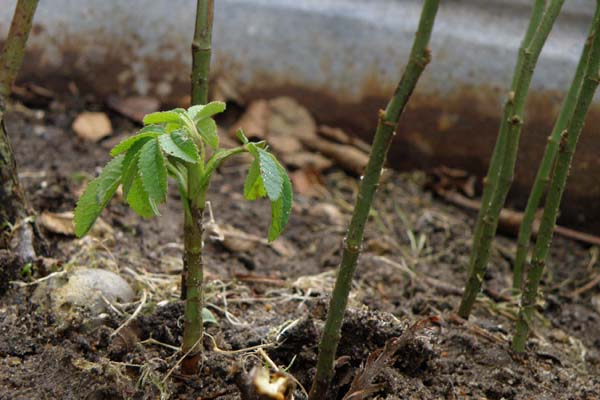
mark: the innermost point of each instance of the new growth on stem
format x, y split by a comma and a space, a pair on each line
193, 271
566, 149
501, 171
419, 58
184, 145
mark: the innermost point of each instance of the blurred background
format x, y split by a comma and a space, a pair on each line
341, 59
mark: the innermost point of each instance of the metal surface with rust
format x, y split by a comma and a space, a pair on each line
341, 58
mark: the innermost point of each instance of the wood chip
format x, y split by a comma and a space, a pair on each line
92, 126
62, 224
253, 121
134, 107
348, 157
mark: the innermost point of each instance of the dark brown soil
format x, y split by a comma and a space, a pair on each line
413, 267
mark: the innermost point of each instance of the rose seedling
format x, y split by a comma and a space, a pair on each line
183, 145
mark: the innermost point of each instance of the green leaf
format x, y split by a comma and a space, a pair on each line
88, 208
252, 149
146, 132
280, 209
130, 167
109, 179
208, 318
241, 136
253, 186
208, 130
139, 201
178, 145
199, 112
165, 117
270, 174
153, 171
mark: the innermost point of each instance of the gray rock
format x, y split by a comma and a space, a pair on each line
83, 289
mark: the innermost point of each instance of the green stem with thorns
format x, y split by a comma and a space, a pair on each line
491, 179
14, 207
488, 221
542, 177
419, 58
567, 145
193, 274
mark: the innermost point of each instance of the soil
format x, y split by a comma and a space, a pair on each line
270, 304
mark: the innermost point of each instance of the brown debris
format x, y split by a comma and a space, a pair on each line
362, 386
307, 183
254, 120
338, 135
510, 220
238, 241
261, 384
225, 90
348, 157
328, 213
92, 126
62, 224
134, 107
307, 160
288, 118
289, 129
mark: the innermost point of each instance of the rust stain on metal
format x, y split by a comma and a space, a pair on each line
457, 130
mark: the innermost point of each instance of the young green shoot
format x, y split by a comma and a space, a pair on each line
420, 56
183, 144
502, 166
567, 145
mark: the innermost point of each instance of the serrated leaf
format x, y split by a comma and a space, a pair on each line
280, 209
164, 117
130, 167
109, 179
208, 130
153, 171
88, 208
253, 185
138, 199
146, 132
199, 112
269, 172
180, 146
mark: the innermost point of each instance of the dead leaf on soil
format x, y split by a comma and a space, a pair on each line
362, 386
262, 384
338, 135
328, 213
238, 241
62, 223
307, 160
346, 156
134, 107
253, 121
225, 90
307, 183
289, 118
92, 126
285, 144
